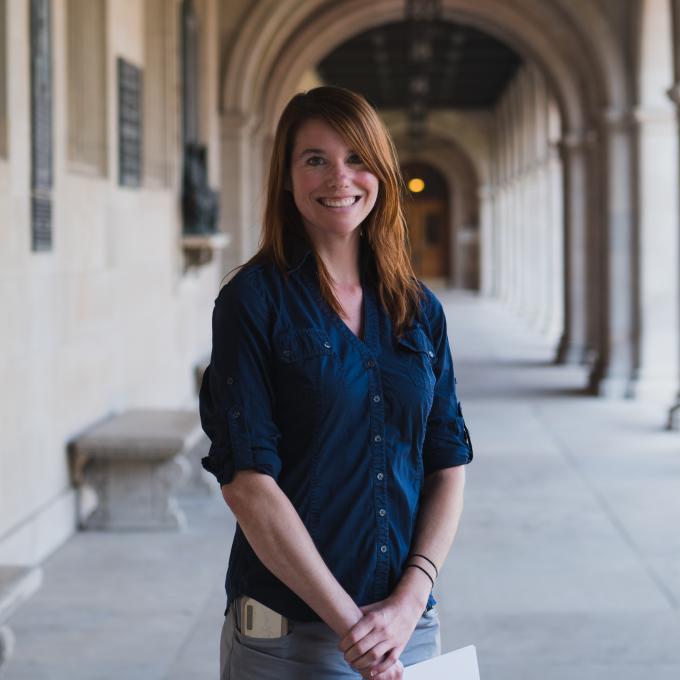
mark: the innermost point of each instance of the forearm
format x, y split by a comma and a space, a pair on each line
440, 511
281, 541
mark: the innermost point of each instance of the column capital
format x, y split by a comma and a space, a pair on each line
618, 120
576, 140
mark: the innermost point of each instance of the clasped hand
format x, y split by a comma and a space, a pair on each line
373, 645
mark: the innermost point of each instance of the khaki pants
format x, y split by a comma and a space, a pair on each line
309, 652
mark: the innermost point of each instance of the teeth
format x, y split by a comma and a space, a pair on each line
338, 202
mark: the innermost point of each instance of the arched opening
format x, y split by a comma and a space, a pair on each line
427, 218
573, 69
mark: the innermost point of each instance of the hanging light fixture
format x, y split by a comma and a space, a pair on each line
422, 17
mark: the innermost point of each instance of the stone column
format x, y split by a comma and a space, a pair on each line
514, 204
674, 94
571, 348
236, 199
613, 371
556, 247
658, 253
487, 239
537, 254
259, 167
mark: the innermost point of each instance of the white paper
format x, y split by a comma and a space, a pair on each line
458, 665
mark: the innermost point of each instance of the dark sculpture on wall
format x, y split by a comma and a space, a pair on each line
200, 203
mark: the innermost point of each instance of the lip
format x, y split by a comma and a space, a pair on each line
338, 198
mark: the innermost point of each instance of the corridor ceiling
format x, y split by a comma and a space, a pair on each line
458, 67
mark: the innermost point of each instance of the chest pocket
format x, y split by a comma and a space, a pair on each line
417, 355
307, 371
300, 344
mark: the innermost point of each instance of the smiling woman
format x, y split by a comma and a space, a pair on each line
332, 187
330, 401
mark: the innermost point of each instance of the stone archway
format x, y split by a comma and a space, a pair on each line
459, 171
577, 54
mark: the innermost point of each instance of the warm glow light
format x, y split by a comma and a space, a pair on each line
416, 185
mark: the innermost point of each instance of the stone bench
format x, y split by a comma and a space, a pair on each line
16, 585
133, 462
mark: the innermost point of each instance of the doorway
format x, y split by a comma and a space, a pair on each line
427, 218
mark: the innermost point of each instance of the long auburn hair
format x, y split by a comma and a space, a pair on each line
385, 250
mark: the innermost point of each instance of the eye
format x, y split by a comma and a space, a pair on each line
355, 159
314, 160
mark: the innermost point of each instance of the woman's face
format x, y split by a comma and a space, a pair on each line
332, 188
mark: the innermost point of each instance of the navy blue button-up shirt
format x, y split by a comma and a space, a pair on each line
347, 426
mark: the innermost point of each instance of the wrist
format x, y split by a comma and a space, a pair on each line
413, 590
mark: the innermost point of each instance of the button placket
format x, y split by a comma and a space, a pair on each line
379, 456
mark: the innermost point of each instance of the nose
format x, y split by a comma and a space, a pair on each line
338, 175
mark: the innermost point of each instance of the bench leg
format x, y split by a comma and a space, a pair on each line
135, 495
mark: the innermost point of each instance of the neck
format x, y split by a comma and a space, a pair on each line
340, 255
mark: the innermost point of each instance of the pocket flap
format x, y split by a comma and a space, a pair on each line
416, 340
302, 343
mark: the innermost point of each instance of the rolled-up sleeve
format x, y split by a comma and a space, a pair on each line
236, 397
447, 439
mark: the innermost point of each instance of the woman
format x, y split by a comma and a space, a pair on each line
330, 401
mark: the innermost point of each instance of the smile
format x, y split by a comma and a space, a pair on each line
338, 202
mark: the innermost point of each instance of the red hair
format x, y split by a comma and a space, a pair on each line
385, 249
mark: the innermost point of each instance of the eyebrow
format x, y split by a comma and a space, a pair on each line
306, 151
322, 151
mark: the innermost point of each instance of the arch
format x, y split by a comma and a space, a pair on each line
278, 42
444, 154
582, 64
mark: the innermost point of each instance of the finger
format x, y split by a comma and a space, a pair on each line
388, 661
394, 672
362, 647
372, 657
359, 631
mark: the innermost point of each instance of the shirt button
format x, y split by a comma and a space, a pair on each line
230, 381
377, 438
327, 345
236, 413
286, 352
376, 398
431, 355
370, 363
382, 512
383, 548
380, 476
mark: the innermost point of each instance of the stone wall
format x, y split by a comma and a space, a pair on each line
108, 319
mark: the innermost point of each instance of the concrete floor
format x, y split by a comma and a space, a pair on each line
567, 564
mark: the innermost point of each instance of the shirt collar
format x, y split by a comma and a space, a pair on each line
298, 252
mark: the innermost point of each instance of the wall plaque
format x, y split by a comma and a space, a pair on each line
129, 124
41, 125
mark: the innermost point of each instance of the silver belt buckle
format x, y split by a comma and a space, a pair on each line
255, 620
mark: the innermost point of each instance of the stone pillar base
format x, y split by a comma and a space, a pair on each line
570, 353
673, 422
613, 387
